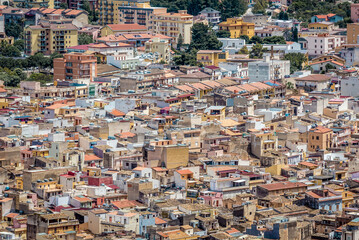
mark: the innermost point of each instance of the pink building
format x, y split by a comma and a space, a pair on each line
214, 199
354, 9
324, 43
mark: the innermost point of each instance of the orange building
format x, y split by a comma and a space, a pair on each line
319, 138
75, 66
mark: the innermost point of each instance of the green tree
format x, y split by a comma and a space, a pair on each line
255, 40
260, 6
244, 50
296, 61
20, 44
14, 29
40, 77
246, 38
63, 5
295, 34
84, 39
86, 6
329, 67
20, 73
256, 51
232, 8
179, 41
186, 58
11, 51
274, 40
289, 85
223, 34
10, 80
203, 38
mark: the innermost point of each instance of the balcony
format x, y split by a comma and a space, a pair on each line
85, 68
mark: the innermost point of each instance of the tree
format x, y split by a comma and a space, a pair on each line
40, 77
18, 72
296, 61
283, 16
10, 80
203, 38
86, 6
289, 85
232, 8
179, 41
11, 51
260, 6
274, 40
84, 39
186, 58
255, 40
245, 37
329, 67
13, 29
20, 44
63, 5
243, 50
223, 34
257, 51
295, 34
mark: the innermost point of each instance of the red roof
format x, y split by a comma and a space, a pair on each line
159, 221
282, 185
184, 171
117, 113
91, 158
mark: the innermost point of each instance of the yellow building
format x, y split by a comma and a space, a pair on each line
322, 26
352, 33
161, 47
237, 27
108, 9
40, 152
50, 38
211, 57
173, 25
348, 198
328, 57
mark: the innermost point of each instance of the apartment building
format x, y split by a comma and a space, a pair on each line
74, 66
109, 9
49, 38
324, 43
211, 15
352, 33
174, 25
354, 12
237, 27
161, 47
212, 57
139, 15
268, 70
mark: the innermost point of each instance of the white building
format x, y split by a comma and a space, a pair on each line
268, 70
350, 53
232, 45
324, 43
350, 87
